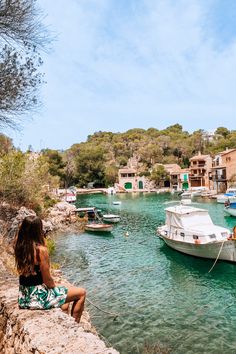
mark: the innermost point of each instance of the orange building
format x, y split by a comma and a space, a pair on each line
224, 170
200, 170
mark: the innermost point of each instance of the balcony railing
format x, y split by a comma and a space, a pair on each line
219, 178
197, 175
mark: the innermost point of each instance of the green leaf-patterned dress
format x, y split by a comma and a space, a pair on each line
35, 295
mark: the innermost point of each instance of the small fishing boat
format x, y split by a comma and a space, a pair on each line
191, 231
91, 212
230, 208
186, 197
98, 228
117, 202
111, 218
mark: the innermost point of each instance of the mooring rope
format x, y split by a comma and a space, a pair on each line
217, 256
115, 315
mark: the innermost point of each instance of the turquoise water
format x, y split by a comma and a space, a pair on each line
161, 296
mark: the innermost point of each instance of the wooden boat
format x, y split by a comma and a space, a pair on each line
191, 231
111, 218
98, 228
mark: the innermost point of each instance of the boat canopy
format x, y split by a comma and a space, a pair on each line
187, 217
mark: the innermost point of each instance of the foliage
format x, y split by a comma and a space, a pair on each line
90, 164
25, 180
103, 153
50, 245
21, 36
5, 144
158, 175
110, 175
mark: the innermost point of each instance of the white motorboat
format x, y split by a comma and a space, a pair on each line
111, 218
70, 197
230, 195
230, 208
98, 228
117, 202
186, 197
191, 231
197, 191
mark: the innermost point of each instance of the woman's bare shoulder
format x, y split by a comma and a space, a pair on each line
43, 251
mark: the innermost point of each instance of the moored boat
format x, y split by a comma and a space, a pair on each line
111, 218
91, 212
117, 202
230, 208
70, 197
191, 231
230, 195
98, 228
186, 197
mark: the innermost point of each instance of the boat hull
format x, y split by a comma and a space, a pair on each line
98, 228
112, 219
208, 250
230, 211
223, 199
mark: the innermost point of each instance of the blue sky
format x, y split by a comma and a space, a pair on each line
122, 64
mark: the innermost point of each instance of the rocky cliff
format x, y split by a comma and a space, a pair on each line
38, 332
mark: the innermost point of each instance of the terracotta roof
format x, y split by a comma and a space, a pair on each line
199, 157
182, 170
127, 170
227, 151
172, 167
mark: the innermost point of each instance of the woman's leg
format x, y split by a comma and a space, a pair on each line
77, 295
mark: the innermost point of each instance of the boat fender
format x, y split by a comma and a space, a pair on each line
197, 241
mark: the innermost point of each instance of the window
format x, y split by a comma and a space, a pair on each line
182, 234
212, 236
228, 159
195, 237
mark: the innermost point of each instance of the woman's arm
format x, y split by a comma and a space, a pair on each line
45, 267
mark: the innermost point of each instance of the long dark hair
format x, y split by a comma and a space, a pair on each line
30, 235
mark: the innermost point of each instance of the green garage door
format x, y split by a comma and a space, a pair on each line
140, 184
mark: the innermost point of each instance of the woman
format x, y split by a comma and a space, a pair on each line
37, 288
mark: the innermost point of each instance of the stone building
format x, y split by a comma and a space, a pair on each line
200, 170
179, 179
224, 170
129, 179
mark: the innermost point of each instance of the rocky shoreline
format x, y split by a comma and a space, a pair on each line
44, 332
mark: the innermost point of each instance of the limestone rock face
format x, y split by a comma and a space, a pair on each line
17, 220
42, 332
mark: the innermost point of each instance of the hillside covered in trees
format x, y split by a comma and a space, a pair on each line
99, 158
